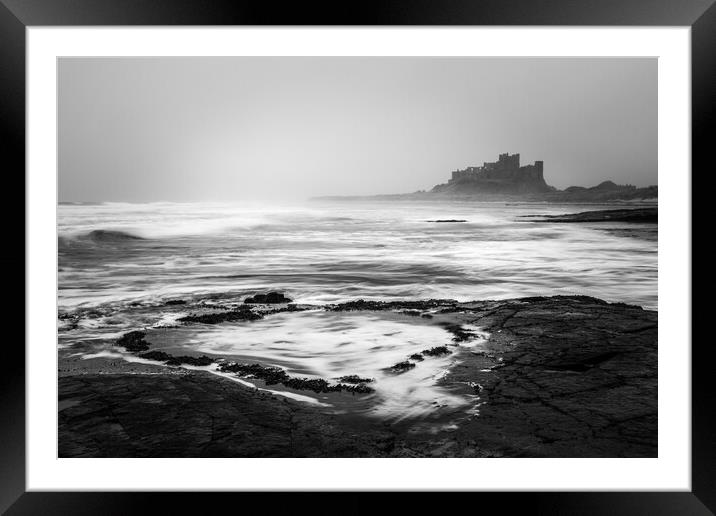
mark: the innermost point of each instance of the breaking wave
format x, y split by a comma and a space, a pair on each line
97, 236
109, 235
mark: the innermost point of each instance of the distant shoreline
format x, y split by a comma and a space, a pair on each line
496, 198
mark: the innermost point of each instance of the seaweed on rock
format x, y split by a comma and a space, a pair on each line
354, 378
402, 367
243, 314
133, 341
437, 351
276, 375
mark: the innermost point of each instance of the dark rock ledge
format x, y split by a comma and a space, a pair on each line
268, 298
563, 376
566, 376
648, 215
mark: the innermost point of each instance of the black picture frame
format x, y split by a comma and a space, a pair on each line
16, 15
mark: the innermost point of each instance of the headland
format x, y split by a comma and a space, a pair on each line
507, 180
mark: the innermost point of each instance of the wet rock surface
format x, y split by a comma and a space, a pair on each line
563, 376
194, 415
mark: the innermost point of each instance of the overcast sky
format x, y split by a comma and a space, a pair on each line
184, 129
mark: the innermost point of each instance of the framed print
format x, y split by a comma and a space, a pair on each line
432, 250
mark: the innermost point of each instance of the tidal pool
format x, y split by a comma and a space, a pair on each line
329, 345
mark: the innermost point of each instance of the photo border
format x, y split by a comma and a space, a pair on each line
13, 21
48, 47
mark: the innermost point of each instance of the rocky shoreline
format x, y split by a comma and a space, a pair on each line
563, 376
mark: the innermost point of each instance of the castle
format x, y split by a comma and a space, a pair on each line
503, 176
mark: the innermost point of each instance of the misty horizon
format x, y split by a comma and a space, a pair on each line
290, 128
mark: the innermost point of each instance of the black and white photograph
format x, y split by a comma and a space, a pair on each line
383, 257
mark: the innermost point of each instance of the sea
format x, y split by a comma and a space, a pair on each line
119, 264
